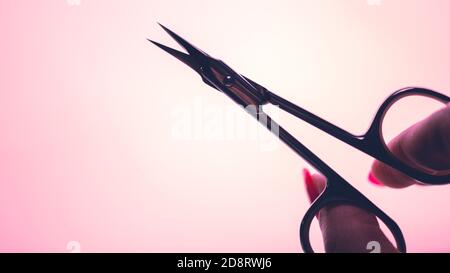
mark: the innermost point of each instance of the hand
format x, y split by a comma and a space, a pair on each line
348, 229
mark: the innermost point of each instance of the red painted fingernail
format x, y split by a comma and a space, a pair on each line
311, 189
374, 180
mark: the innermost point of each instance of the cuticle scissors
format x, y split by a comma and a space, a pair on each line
247, 93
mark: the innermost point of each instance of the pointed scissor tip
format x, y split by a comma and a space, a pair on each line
185, 58
158, 44
167, 49
191, 49
165, 28
153, 42
171, 33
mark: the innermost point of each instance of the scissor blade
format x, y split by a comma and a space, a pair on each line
191, 49
185, 58
255, 84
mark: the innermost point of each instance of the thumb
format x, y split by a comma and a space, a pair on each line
345, 228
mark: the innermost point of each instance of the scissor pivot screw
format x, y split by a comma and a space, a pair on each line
228, 81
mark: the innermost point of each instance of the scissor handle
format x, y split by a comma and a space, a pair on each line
338, 191
374, 144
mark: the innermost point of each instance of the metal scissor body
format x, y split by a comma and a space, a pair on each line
252, 96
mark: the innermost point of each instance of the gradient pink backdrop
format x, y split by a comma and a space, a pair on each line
86, 151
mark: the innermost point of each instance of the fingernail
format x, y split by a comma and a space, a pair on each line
311, 188
374, 180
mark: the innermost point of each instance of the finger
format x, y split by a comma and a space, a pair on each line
314, 186
425, 146
345, 228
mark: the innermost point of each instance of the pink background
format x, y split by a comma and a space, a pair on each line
86, 103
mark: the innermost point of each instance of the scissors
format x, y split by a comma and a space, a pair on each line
252, 96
